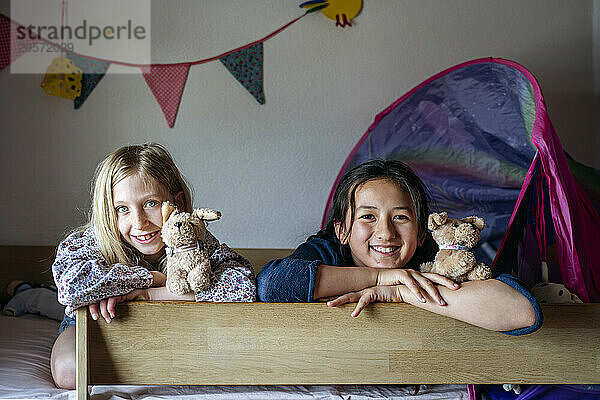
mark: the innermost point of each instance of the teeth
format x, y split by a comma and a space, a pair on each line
384, 249
146, 237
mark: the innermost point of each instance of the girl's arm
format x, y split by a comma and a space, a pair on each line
232, 280
83, 277
500, 304
232, 277
106, 307
312, 273
158, 291
333, 281
490, 304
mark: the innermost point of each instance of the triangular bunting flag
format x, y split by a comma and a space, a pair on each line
166, 83
93, 71
247, 67
11, 45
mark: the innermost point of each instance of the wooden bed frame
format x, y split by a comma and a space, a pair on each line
187, 343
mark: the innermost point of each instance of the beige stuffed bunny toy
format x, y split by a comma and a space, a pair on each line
553, 293
188, 262
455, 239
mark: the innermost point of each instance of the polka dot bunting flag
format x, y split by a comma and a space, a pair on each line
247, 67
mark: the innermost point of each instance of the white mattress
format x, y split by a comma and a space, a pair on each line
26, 343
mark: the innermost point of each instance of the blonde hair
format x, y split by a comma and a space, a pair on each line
149, 160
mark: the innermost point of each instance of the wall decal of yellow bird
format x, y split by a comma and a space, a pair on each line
342, 11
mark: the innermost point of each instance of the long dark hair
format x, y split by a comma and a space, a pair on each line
395, 171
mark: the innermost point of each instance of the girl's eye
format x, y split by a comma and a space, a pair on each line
121, 209
366, 216
402, 217
151, 203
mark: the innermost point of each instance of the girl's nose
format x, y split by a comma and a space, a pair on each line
385, 229
139, 219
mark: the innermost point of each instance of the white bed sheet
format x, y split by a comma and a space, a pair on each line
26, 343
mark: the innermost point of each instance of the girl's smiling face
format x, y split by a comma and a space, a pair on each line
138, 205
384, 232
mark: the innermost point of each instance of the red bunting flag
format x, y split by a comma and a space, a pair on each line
11, 45
167, 83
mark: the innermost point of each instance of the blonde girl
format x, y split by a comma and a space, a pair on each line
119, 255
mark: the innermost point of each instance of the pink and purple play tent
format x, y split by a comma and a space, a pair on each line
480, 137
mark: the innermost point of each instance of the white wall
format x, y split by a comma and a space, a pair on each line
269, 168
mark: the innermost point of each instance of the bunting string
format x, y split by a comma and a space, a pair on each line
165, 80
196, 62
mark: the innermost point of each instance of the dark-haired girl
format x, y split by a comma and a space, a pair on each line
370, 250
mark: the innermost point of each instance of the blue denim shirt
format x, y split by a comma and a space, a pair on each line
292, 279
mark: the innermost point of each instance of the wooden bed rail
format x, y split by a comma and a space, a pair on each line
259, 343
188, 343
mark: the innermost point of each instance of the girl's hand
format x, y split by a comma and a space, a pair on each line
388, 294
106, 307
158, 279
416, 281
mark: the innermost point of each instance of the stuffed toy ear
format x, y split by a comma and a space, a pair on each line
477, 221
436, 220
206, 214
166, 210
544, 268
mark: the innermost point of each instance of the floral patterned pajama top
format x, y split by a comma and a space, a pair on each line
83, 277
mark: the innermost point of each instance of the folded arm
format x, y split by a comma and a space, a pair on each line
489, 304
232, 276
83, 277
333, 281
312, 272
501, 304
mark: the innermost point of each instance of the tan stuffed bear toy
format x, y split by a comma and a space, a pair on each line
455, 237
188, 262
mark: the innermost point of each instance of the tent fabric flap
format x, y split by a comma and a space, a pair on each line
479, 136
